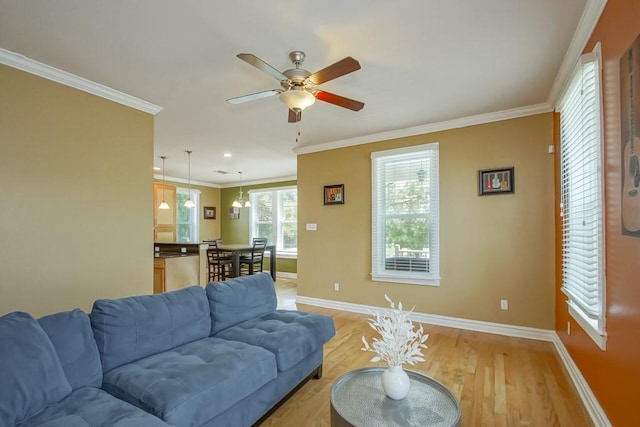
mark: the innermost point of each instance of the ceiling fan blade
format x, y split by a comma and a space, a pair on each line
294, 117
253, 96
261, 65
340, 68
338, 100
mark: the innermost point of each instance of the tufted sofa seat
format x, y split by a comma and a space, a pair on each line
290, 335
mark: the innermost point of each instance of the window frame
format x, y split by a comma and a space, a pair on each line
194, 223
577, 280
379, 159
277, 221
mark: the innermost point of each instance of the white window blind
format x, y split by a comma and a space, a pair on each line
581, 198
405, 215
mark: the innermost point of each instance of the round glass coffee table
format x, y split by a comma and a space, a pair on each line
357, 399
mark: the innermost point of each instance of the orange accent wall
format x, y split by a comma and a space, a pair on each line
612, 374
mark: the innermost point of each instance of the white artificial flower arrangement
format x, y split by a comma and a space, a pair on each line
399, 342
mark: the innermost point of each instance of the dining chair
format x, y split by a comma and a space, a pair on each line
254, 260
218, 262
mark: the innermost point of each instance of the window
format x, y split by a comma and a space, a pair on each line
187, 218
274, 215
581, 198
405, 242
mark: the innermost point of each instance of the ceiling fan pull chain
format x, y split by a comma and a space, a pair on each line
298, 132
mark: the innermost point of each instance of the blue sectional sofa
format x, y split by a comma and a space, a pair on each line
222, 355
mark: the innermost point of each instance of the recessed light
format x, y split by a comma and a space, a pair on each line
227, 154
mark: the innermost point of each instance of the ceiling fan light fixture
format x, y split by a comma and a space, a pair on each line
297, 99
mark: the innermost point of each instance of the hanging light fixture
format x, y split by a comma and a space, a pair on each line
297, 98
164, 204
239, 201
189, 203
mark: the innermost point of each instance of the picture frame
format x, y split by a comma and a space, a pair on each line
496, 181
630, 139
333, 194
234, 213
209, 212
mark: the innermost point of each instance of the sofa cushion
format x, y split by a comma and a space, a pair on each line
191, 384
30, 371
92, 407
129, 329
239, 299
72, 337
290, 335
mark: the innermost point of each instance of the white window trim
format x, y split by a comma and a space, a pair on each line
595, 328
413, 278
279, 253
194, 211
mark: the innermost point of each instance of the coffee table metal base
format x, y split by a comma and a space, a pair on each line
357, 399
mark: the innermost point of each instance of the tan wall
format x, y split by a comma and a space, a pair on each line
610, 372
76, 177
209, 196
492, 247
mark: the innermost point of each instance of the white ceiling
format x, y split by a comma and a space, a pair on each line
423, 62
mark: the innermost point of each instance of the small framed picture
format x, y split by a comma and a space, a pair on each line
496, 181
334, 194
209, 212
234, 213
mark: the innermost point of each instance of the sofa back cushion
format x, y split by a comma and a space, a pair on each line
72, 337
129, 329
30, 371
239, 299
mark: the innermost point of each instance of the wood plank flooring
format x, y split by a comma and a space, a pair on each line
499, 381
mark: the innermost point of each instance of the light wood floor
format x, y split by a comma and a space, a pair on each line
499, 381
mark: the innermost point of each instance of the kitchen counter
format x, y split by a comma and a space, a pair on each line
178, 265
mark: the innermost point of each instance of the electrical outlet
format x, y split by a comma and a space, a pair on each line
504, 304
336, 286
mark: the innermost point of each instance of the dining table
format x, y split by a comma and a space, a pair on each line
236, 249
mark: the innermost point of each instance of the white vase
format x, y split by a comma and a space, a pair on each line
395, 382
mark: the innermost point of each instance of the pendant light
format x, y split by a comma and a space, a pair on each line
239, 201
163, 205
189, 203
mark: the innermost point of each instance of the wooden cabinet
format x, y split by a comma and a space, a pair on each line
164, 220
175, 272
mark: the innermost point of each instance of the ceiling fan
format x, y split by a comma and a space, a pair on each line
299, 86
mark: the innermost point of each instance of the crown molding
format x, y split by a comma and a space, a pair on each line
429, 128
29, 65
588, 21
260, 181
158, 177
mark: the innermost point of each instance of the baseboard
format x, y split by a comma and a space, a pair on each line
286, 275
433, 319
596, 412
594, 409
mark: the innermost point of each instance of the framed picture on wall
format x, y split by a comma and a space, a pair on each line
630, 131
234, 213
496, 181
334, 194
209, 212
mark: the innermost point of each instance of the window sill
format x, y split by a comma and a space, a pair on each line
405, 279
599, 339
282, 255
